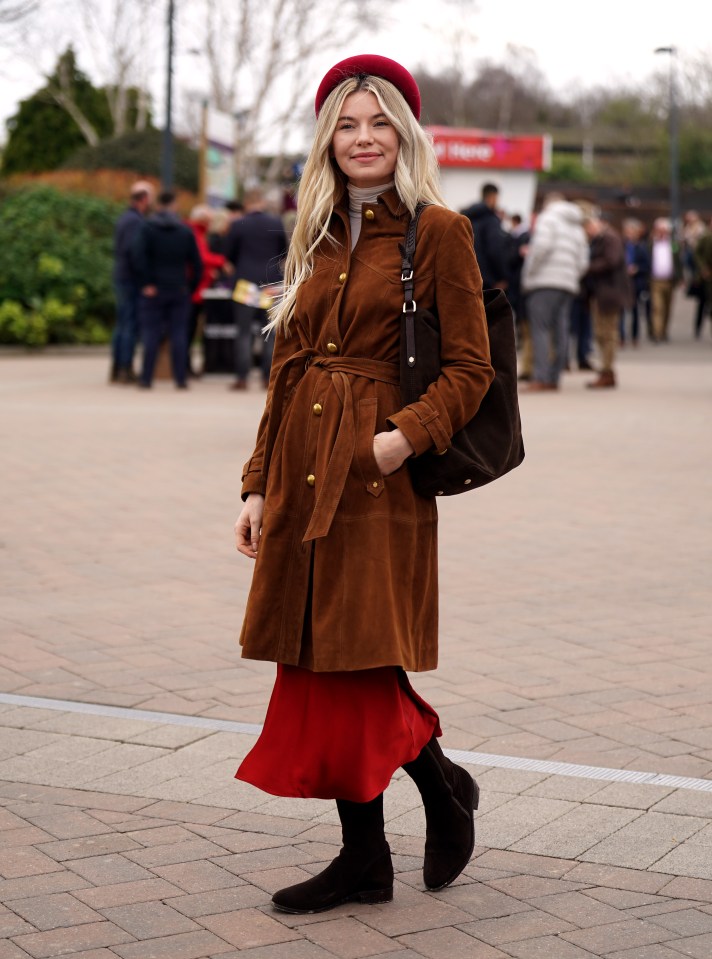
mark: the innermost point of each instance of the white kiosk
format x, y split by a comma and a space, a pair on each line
470, 158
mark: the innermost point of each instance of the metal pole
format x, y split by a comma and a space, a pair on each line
167, 151
674, 149
674, 154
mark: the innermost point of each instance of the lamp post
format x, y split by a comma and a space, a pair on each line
167, 149
674, 148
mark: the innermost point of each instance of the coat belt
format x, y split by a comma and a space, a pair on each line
340, 368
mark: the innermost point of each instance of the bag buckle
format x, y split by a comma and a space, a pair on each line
409, 307
406, 275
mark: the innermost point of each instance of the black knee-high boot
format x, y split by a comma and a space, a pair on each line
362, 871
449, 796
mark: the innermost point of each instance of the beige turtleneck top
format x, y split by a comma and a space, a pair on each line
358, 195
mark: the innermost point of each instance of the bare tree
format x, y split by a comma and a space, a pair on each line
115, 37
14, 11
122, 48
260, 55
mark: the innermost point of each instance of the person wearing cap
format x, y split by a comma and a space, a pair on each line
126, 283
344, 592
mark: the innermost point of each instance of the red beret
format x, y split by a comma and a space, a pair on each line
374, 66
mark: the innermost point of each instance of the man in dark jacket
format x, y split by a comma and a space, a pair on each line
169, 268
491, 246
126, 284
256, 246
608, 284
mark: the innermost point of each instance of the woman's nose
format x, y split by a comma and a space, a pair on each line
365, 134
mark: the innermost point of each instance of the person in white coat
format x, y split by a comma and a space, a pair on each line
556, 261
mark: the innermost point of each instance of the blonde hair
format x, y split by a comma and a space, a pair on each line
417, 180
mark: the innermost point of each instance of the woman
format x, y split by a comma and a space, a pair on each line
344, 594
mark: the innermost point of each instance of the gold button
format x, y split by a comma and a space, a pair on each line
316, 409
332, 347
369, 214
311, 479
342, 277
374, 484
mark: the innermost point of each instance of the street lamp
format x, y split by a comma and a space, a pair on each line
167, 150
674, 150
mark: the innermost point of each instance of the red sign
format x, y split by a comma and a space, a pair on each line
478, 148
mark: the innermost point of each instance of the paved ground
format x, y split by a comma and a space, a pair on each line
576, 629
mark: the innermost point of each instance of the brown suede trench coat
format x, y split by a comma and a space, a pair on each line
346, 573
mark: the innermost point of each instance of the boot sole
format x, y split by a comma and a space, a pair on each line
370, 897
473, 802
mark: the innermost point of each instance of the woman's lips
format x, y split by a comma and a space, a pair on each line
366, 156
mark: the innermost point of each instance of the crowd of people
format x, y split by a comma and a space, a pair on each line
575, 281
577, 285
163, 265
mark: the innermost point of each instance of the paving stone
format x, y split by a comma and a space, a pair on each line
546, 947
578, 908
19, 861
481, 901
617, 878
524, 925
51, 912
348, 938
104, 870
699, 947
127, 893
678, 887
617, 936
576, 831
290, 950
60, 942
63, 849
645, 841
11, 924
220, 900
447, 944
532, 887
647, 952
149, 920
685, 922
8, 950
197, 876
187, 945
525, 864
248, 927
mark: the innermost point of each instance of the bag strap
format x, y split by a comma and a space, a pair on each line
408, 281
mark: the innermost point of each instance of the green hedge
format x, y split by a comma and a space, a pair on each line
139, 151
56, 258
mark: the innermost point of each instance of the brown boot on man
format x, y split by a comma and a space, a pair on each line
605, 379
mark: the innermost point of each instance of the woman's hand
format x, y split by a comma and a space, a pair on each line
391, 449
249, 525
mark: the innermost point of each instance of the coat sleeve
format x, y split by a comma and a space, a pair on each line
466, 371
195, 263
141, 256
253, 479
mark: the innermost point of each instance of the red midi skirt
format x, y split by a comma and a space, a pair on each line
338, 735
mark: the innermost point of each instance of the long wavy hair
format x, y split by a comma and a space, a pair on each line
417, 180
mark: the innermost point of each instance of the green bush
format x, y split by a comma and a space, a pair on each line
140, 152
56, 259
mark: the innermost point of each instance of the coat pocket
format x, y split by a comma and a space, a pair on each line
365, 432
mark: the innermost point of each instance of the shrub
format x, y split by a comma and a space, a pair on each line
56, 260
141, 152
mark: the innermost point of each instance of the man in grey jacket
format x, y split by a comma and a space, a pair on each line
556, 260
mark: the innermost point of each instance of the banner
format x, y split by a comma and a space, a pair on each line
479, 148
218, 157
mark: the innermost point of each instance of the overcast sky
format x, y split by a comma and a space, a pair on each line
574, 46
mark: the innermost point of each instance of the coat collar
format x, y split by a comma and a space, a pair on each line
389, 199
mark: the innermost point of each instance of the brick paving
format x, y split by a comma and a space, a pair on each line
575, 627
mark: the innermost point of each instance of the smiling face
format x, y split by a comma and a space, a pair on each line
365, 143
